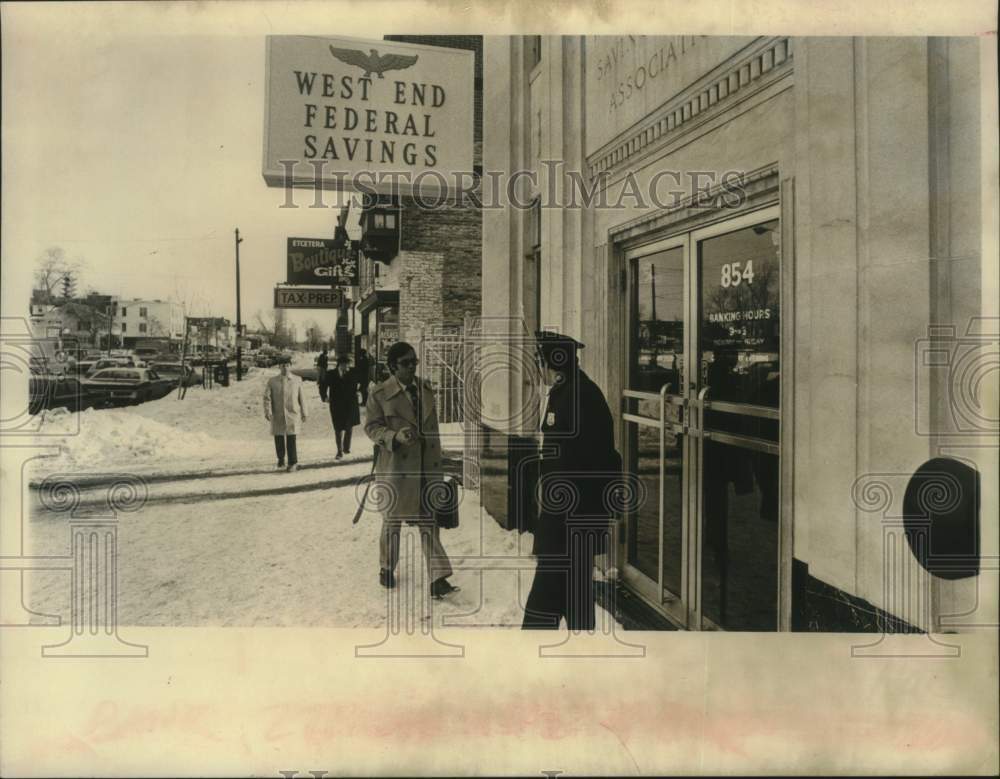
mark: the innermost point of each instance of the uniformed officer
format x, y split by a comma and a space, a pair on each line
573, 480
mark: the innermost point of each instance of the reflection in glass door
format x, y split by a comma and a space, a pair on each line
702, 415
739, 367
655, 418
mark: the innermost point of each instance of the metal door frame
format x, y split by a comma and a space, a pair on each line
685, 608
672, 605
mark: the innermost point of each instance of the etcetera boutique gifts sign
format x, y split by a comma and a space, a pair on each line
321, 261
353, 114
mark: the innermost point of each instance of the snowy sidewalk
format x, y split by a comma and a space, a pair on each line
92, 489
221, 430
292, 559
223, 539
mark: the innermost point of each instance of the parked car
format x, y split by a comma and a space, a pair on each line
173, 371
57, 391
83, 367
206, 358
104, 362
151, 354
127, 385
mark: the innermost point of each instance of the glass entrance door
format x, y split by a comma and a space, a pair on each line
702, 416
655, 413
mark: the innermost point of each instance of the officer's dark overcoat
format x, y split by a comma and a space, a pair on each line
573, 482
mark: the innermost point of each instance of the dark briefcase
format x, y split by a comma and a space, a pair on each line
444, 503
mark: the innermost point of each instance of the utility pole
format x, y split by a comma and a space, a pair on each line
239, 321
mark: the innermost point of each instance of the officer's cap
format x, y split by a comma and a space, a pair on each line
556, 350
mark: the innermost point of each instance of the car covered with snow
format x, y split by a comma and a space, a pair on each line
172, 371
88, 367
126, 385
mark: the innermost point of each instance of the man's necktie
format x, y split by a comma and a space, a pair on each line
415, 399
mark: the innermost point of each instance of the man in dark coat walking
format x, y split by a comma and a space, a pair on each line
322, 365
573, 512
342, 392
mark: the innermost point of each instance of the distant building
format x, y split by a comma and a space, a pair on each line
210, 333
40, 309
78, 323
255, 340
72, 321
140, 319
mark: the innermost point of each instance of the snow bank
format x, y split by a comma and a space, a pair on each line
94, 438
218, 428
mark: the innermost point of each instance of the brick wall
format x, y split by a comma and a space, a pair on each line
456, 232
440, 260
420, 289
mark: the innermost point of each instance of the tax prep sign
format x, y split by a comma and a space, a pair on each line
344, 107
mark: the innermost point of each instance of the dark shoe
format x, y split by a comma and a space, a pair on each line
386, 578
340, 456
293, 467
441, 587
347, 451
280, 466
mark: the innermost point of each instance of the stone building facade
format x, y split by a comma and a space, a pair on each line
759, 240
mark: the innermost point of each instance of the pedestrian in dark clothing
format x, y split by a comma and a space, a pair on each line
362, 369
341, 387
322, 363
573, 512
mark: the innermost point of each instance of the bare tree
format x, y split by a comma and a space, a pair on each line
262, 325
156, 328
193, 303
275, 325
284, 334
315, 335
52, 268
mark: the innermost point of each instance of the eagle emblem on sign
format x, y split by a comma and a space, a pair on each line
373, 62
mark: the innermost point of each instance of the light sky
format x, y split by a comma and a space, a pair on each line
132, 132
132, 136
139, 151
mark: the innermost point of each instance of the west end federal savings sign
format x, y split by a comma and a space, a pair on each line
339, 111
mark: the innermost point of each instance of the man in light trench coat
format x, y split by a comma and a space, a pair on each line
402, 420
285, 409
